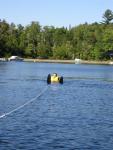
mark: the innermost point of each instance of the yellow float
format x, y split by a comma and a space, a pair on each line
54, 78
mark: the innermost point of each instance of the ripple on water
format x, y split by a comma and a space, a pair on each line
75, 115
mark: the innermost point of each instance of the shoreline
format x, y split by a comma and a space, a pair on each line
78, 61
69, 61
50, 61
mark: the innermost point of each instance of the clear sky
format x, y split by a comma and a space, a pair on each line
54, 12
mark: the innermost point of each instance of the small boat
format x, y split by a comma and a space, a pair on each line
54, 78
15, 58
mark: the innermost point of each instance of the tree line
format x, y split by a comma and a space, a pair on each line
85, 41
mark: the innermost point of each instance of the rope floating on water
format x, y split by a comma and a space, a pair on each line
28, 102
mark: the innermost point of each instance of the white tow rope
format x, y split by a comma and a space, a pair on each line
21, 106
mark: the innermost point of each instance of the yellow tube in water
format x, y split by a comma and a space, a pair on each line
54, 79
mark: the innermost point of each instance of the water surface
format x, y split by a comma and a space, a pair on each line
77, 115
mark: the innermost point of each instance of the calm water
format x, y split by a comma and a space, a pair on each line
77, 115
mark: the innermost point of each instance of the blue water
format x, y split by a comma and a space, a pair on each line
77, 115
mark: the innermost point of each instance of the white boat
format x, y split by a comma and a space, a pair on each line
78, 61
15, 58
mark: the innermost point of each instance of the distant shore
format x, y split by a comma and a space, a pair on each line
108, 62
50, 61
69, 61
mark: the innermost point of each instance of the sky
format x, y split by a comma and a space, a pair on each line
56, 13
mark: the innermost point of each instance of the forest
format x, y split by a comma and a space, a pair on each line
84, 41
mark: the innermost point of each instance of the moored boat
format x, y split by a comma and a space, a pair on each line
15, 58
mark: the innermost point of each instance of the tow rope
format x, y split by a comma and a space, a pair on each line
23, 105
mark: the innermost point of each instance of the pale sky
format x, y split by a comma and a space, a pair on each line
54, 12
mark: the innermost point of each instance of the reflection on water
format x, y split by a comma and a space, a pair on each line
75, 115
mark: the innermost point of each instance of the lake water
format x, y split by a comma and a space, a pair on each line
77, 115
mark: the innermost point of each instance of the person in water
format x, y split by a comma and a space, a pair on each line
54, 77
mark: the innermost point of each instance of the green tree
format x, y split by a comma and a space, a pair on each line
108, 16
4, 32
33, 37
47, 41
